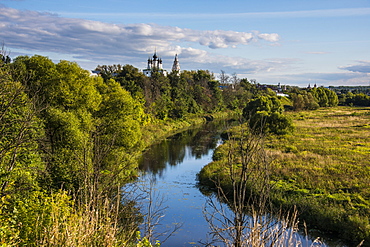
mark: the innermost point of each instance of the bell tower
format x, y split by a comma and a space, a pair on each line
176, 66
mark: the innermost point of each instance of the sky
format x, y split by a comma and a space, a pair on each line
291, 42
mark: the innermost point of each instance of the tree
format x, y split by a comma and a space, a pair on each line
117, 134
357, 99
303, 100
265, 114
20, 131
4, 56
332, 97
224, 78
132, 80
325, 97
310, 102
298, 102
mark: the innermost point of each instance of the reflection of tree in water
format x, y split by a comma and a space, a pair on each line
173, 150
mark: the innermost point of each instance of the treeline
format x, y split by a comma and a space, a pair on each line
177, 95
313, 98
351, 99
352, 89
69, 140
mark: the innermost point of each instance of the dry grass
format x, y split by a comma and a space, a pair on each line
85, 226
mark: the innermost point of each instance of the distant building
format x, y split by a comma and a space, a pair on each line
155, 65
176, 66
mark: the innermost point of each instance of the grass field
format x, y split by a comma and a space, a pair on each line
324, 168
328, 152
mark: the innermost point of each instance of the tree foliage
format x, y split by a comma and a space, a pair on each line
20, 130
265, 114
325, 97
304, 100
359, 99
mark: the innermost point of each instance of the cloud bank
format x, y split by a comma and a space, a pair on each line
361, 67
94, 40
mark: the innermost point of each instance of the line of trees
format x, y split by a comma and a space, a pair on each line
352, 99
312, 99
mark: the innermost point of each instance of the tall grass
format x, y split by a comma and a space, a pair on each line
91, 224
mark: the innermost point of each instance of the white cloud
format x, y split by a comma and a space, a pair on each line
273, 37
93, 40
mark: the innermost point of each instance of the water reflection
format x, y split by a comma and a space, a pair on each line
172, 165
173, 150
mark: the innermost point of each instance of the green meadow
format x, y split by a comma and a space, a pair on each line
322, 169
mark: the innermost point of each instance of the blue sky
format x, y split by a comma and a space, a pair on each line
326, 42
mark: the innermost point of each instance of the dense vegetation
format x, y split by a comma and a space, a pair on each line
323, 169
69, 140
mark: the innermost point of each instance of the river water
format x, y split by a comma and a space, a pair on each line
169, 173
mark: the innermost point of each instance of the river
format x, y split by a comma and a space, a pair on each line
169, 172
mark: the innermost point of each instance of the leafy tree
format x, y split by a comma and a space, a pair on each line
132, 80
265, 114
298, 102
310, 102
325, 97
21, 164
4, 59
357, 99
38, 74
109, 71
237, 95
80, 133
4, 56
180, 96
303, 100
118, 134
332, 97
20, 130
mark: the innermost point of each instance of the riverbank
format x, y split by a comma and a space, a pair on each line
322, 168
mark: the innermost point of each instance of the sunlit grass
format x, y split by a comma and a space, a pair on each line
329, 144
324, 167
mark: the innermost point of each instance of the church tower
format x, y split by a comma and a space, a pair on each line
176, 66
154, 64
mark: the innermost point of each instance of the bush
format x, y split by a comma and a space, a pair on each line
265, 115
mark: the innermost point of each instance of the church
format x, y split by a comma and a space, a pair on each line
155, 65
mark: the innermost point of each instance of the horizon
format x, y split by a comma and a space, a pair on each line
286, 42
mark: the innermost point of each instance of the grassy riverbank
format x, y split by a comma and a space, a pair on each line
323, 168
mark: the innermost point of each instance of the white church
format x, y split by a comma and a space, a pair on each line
155, 65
